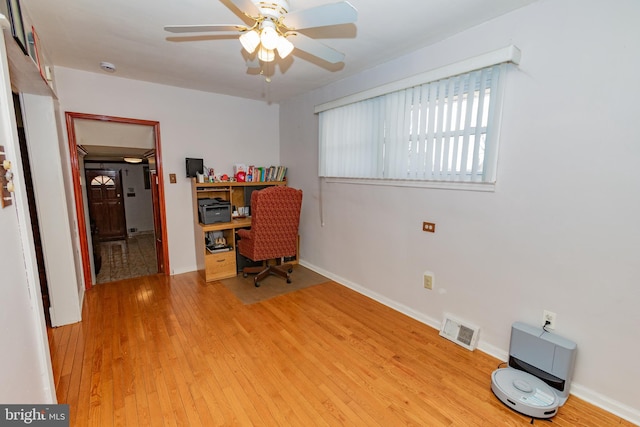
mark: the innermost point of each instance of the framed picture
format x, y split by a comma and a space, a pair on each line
38, 50
17, 25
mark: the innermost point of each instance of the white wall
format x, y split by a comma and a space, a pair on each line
560, 232
26, 374
66, 289
221, 129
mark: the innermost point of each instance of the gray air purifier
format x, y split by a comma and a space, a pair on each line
539, 375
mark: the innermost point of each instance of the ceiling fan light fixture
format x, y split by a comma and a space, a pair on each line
250, 41
285, 47
266, 55
272, 22
132, 159
269, 36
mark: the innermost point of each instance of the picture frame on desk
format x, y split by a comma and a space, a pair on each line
14, 14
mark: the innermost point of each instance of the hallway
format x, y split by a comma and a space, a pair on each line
124, 259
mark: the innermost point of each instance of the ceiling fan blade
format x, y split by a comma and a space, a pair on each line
315, 48
203, 28
321, 16
247, 7
253, 62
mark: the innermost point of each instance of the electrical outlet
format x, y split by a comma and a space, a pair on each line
429, 226
428, 280
550, 317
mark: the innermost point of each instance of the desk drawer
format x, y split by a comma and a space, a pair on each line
220, 265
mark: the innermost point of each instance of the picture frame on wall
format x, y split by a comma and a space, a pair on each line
17, 24
38, 51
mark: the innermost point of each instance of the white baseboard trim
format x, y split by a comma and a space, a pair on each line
81, 298
492, 350
182, 270
623, 411
420, 317
139, 233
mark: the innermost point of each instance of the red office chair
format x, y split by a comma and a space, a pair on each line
275, 217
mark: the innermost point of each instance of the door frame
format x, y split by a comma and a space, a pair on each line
77, 187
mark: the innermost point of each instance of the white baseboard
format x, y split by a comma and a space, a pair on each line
623, 411
81, 298
376, 296
191, 269
138, 233
492, 350
630, 414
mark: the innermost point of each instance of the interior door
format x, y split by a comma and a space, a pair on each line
157, 222
106, 203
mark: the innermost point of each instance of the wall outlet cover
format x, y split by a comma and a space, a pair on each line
428, 280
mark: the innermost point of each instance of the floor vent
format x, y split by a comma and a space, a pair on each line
461, 333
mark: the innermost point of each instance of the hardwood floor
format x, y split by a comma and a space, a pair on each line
176, 351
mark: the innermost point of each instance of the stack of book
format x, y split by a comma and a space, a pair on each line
266, 174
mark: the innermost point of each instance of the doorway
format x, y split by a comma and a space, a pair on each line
155, 181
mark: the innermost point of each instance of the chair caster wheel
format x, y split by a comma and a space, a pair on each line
257, 284
290, 270
245, 275
288, 280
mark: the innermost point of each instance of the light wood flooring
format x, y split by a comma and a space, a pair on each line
174, 351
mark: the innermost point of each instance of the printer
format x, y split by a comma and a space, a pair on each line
214, 210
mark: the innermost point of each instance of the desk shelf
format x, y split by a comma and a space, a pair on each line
219, 226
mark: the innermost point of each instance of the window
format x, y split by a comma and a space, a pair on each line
102, 180
443, 130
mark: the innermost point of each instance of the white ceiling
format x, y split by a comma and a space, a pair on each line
129, 33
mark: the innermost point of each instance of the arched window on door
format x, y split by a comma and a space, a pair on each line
102, 180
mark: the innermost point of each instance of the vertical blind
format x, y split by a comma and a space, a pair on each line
444, 130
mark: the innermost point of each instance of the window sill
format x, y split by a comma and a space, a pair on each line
440, 185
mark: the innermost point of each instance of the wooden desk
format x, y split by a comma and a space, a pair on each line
220, 265
220, 226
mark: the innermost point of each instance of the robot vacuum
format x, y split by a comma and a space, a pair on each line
524, 393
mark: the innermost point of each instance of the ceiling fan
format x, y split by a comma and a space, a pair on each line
275, 29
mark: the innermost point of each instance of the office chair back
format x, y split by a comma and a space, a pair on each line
275, 217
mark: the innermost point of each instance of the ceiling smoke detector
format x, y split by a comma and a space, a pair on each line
108, 67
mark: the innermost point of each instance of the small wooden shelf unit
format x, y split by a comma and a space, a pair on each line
221, 265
